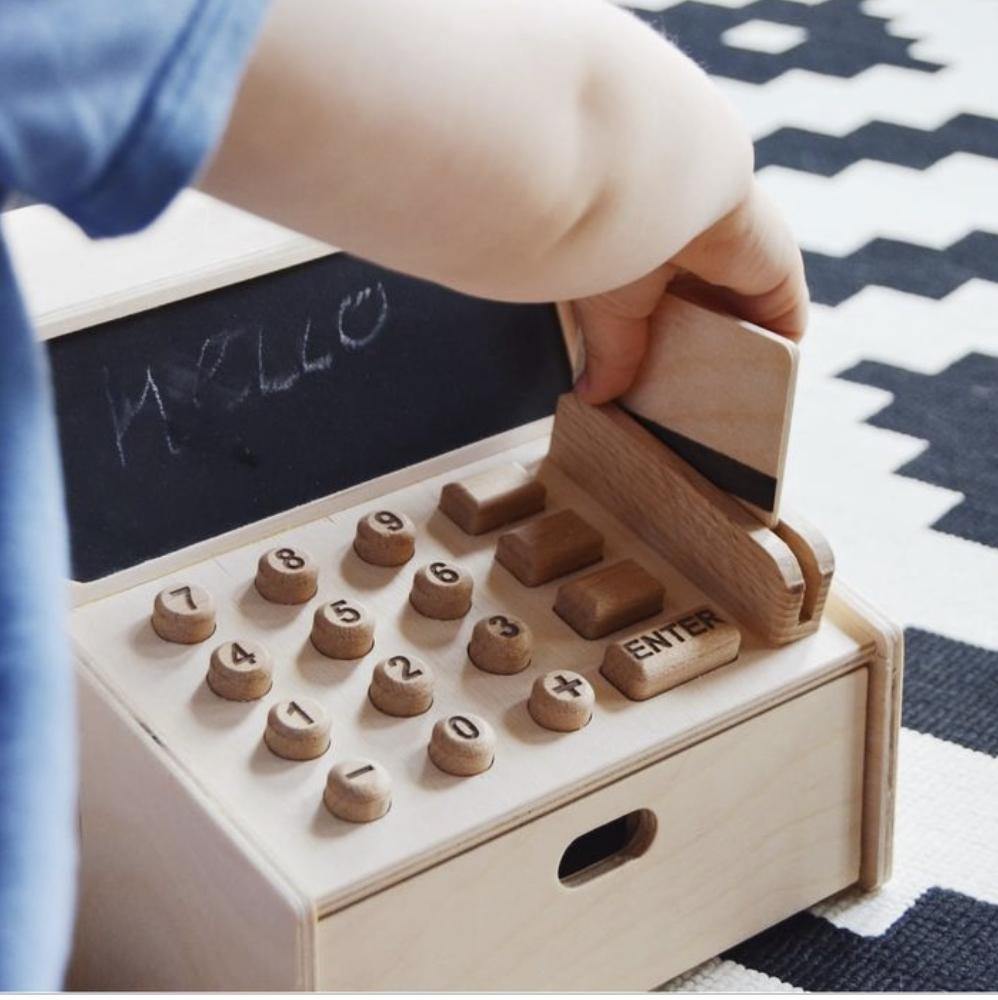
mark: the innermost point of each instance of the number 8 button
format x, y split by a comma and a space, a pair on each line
442, 591
287, 575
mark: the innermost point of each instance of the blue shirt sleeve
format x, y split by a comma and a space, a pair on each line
108, 107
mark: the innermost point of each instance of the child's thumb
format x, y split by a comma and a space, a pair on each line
615, 346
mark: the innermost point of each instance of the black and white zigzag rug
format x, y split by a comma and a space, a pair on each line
876, 128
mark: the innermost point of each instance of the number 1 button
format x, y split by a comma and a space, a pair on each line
184, 612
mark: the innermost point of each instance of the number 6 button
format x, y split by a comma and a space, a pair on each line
287, 575
184, 613
343, 630
442, 591
240, 671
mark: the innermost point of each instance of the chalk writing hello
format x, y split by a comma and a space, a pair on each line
234, 365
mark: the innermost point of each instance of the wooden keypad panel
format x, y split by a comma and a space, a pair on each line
457, 751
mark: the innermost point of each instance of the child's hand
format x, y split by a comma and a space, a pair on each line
746, 264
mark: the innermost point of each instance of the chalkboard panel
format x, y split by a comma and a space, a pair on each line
197, 417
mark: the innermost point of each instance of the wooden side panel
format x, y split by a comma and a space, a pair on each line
708, 535
752, 825
171, 897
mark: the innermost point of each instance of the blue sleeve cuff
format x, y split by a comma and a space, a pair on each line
178, 124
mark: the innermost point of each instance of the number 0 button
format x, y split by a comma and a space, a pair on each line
240, 671
442, 591
184, 612
287, 575
463, 745
297, 729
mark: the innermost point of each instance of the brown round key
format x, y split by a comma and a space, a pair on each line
501, 644
441, 590
183, 612
297, 729
240, 671
462, 744
401, 686
287, 575
561, 700
385, 538
343, 630
358, 790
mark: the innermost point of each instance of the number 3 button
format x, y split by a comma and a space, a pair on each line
287, 575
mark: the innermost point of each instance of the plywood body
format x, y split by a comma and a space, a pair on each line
752, 825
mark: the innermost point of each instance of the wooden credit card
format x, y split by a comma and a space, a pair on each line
719, 392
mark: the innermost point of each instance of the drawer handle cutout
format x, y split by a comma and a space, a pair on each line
607, 847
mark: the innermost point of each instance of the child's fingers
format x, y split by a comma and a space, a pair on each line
614, 346
753, 265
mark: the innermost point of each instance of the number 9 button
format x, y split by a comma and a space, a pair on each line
385, 538
441, 591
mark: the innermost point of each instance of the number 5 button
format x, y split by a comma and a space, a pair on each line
183, 612
240, 671
343, 630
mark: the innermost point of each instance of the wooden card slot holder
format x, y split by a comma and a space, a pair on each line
774, 580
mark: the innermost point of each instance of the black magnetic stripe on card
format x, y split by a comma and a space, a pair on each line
722, 470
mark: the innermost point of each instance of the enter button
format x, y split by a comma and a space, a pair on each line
671, 653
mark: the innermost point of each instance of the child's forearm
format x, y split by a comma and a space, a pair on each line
517, 149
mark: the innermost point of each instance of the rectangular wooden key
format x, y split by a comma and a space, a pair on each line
719, 393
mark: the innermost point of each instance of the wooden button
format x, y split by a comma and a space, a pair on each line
675, 651
343, 630
463, 745
561, 700
183, 612
492, 498
240, 671
297, 729
609, 598
501, 644
287, 575
549, 547
385, 538
401, 686
442, 591
358, 790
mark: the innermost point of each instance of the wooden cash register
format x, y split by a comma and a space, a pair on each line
390, 679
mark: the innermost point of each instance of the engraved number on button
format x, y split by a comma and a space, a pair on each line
405, 664
240, 655
360, 770
391, 521
344, 612
295, 709
289, 558
444, 573
564, 684
507, 629
464, 727
186, 591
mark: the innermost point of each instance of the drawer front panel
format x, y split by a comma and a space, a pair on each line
751, 826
